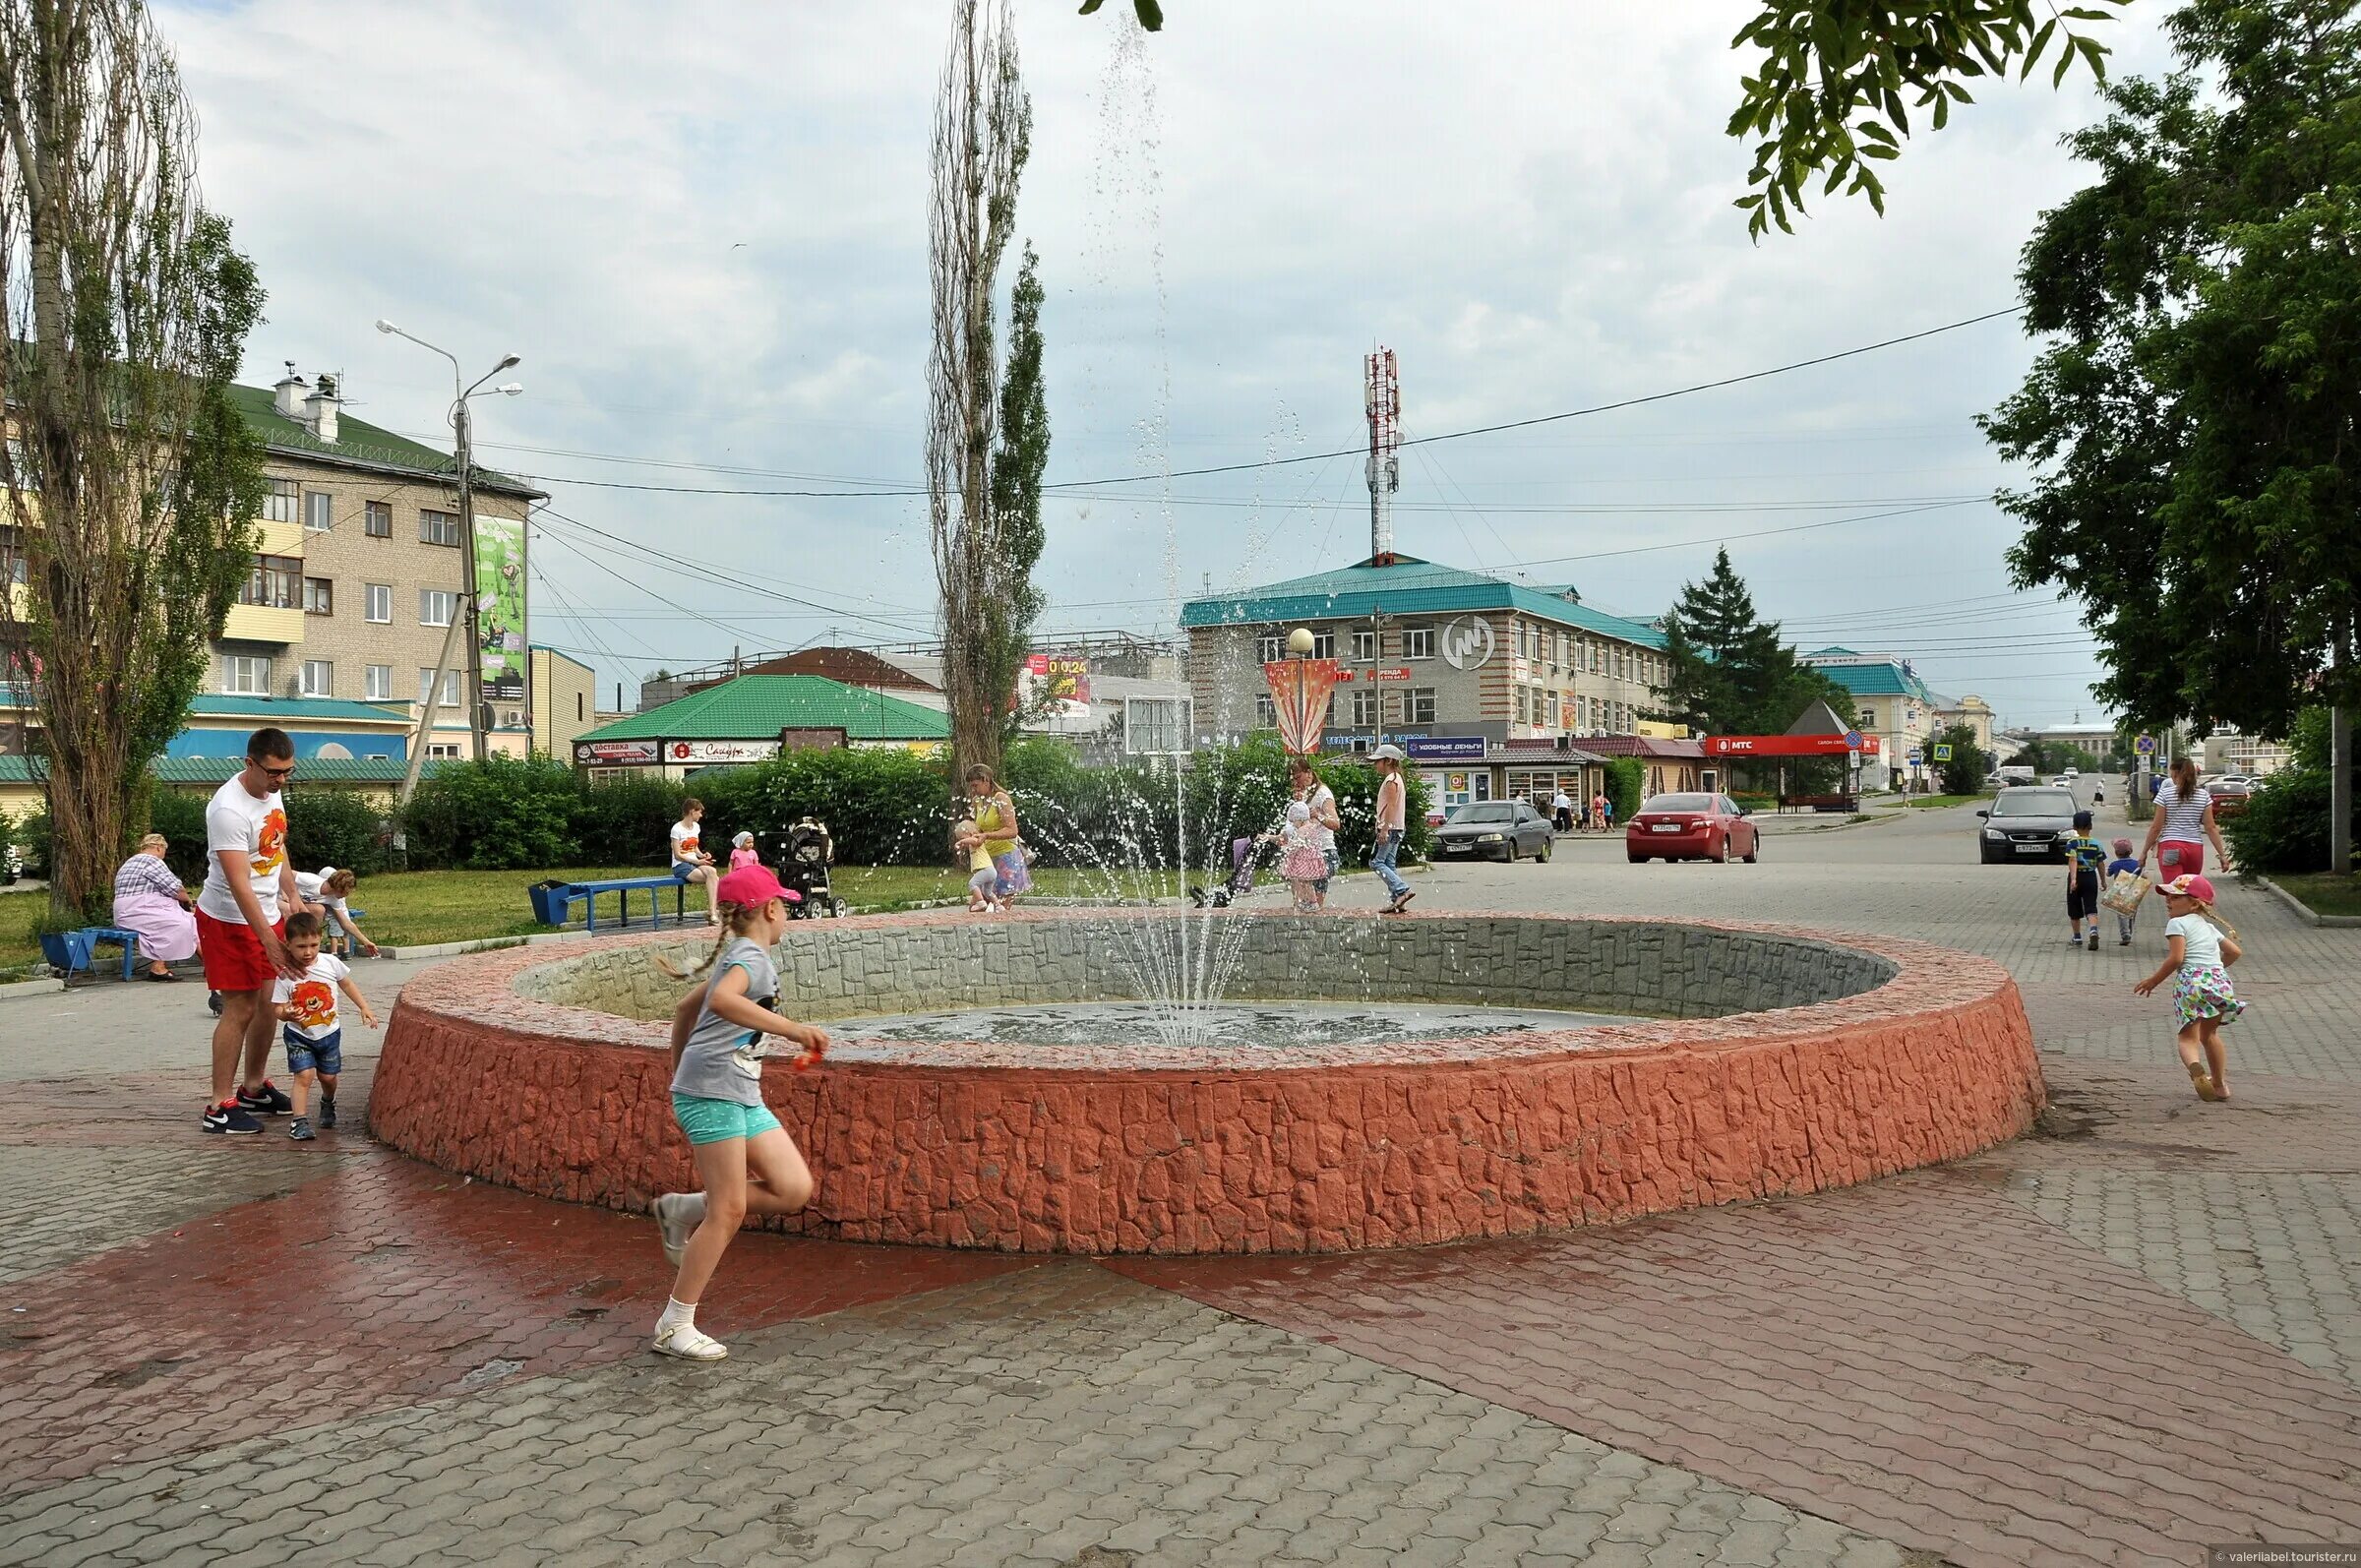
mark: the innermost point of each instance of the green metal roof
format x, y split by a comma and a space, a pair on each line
756, 707
221, 705
16, 769
1407, 585
1870, 677
360, 442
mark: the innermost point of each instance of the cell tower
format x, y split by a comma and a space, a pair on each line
1385, 397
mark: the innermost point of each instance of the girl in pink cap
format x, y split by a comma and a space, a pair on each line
2200, 947
745, 1160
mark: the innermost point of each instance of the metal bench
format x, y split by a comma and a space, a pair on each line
559, 901
1820, 802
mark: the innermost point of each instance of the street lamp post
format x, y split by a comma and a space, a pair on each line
463, 456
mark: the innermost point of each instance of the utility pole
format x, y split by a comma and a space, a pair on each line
1382, 394
480, 721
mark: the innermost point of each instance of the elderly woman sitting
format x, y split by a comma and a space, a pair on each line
149, 900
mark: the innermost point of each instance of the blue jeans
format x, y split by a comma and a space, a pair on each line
1381, 861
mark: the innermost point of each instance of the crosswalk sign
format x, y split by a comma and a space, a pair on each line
1942, 752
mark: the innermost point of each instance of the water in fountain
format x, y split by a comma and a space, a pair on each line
1247, 1025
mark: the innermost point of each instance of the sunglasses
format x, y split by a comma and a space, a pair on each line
274, 772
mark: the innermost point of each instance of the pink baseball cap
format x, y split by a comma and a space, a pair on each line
2191, 887
750, 884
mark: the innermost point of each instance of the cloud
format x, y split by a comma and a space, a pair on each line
705, 235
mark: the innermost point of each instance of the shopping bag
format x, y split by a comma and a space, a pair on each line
2124, 891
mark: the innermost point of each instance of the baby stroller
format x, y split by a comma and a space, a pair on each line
1245, 856
809, 854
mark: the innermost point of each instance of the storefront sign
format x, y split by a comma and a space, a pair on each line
812, 740
1446, 748
1785, 744
722, 750
614, 754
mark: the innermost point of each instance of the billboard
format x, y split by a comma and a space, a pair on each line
1057, 682
500, 607
614, 753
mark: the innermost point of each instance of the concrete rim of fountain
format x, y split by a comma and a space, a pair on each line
1899, 1053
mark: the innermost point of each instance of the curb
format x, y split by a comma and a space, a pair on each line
2303, 911
26, 990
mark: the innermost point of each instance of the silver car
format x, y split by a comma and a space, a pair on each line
1493, 829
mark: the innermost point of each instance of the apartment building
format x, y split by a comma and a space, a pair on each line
359, 572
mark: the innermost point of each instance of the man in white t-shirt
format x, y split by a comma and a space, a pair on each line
690, 861
249, 886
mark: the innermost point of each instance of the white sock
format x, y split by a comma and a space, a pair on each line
676, 1314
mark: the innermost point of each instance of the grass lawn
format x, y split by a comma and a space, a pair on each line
2325, 895
415, 908
1935, 802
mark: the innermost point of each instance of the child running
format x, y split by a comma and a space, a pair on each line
2123, 862
1302, 860
307, 1010
745, 1160
982, 878
2199, 949
2085, 855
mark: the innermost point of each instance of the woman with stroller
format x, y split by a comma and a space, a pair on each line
996, 819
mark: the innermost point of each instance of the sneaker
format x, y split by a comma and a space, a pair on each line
2094, 938
678, 1215
213, 1002
300, 1129
266, 1100
690, 1343
229, 1117
328, 1110
2123, 941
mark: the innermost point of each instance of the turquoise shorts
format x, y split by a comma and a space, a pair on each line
717, 1121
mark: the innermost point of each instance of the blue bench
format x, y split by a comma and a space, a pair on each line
130, 940
554, 906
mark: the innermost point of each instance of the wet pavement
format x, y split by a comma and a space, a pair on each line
2117, 1342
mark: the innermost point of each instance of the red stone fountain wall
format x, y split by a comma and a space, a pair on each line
1121, 1149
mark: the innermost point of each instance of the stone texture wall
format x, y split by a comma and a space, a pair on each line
1881, 1054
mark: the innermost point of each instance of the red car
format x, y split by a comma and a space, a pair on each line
1691, 827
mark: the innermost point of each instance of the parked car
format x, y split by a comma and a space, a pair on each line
1690, 826
1503, 830
2027, 821
2232, 796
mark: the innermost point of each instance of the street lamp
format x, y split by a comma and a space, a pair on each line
464, 457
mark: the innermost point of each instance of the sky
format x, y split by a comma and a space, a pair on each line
707, 242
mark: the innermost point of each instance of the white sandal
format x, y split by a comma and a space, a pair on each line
674, 1226
690, 1343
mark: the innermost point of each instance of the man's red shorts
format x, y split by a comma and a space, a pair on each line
233, 955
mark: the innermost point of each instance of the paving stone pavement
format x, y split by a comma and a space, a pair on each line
2112, 1342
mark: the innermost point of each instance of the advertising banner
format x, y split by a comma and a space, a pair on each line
1446, 748
614, 754
722, 750
500, 607
1785, 744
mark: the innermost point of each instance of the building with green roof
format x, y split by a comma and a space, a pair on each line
1431, 653
752, 719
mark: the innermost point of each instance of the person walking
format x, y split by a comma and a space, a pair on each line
2182, 826
149, 900
249, 888
1561, 810
1321, 801
996, 819
1598, 812
1392, 826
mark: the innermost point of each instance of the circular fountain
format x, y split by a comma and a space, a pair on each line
1444, 1076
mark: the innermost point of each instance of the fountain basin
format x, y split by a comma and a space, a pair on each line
1771, 1061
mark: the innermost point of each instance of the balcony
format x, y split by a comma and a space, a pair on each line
262, 622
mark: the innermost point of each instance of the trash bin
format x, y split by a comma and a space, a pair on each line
549, 901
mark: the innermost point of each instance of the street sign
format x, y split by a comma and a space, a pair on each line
1942, 751
2146, 746
1852, 739
1914, 759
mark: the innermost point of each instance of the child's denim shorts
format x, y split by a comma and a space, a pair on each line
325, 1055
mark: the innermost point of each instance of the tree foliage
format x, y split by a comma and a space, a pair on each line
1729, 672
1970, 762
1011, 602
2193, 421
130, 478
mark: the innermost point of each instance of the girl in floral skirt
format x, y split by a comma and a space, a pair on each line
2200, 949
1302, 863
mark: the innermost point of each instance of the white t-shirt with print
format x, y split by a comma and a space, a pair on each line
257, 832
2200, 939
314, 996
684, 842
309, 883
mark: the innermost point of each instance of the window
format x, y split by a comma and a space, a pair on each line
376, 683
316, 508
435, 606
380, 605
438, 527
578, 702
448, 750
1266, 712
1418, 642
1364, 647
278, 504
1323, 644
1550, 704
1266, 647
1417, 705
377, 519
1154, 728
1597, 655
275, 582
1582, 713
1365, 709
450, 687
1524, 704
1869, 718
318, 678
243, 675
319, 596
12, 556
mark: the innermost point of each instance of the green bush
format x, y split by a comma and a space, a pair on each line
624, 821
1624, 777
2285, 824
33, 838
180, 818
882, 806
335, 827
503, 813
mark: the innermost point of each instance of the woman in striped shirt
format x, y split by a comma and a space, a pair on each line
149, 900
2182, 824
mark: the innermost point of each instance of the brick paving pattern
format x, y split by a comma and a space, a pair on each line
2112, 1342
